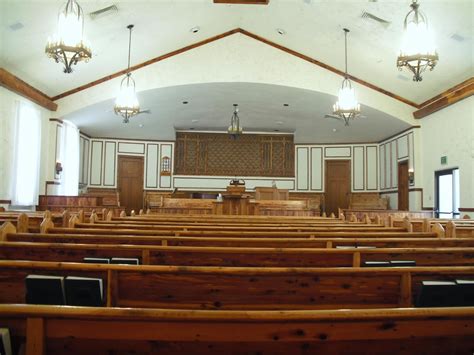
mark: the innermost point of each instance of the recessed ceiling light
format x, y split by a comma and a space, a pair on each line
185, 102
276, 130
334, 130
281, 31
279, 122
286, 105
140, 125
195, 29
195, 121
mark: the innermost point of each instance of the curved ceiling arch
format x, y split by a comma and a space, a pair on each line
263, 108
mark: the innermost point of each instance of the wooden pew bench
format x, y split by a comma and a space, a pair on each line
228, 256
238, 288
275, 242
84, 330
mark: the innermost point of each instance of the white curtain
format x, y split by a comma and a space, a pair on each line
26, 165
69, 160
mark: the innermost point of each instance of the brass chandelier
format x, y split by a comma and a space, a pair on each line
126, 104
418, 51
346, 107
68, 45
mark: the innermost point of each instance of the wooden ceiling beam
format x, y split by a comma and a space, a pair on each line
446, 98
18, 86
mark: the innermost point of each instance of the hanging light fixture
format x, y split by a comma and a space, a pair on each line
68, 45
346, 107
235, 129
418, 51
126, 103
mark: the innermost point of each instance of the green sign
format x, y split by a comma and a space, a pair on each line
444, 160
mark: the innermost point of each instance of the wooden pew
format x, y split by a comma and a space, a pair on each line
274, 242
234, 288
237, 233
99, 331
228, 256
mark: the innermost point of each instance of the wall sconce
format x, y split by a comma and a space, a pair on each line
411, 176
165, 166
58, 168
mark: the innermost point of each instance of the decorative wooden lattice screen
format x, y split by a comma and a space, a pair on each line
248, 155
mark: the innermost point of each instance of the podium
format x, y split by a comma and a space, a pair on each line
234, 201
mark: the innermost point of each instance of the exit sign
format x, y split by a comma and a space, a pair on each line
444, 160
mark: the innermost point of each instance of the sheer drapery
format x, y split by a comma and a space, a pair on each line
26, 165
69, 160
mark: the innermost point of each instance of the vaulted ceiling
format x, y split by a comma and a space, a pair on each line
311, 27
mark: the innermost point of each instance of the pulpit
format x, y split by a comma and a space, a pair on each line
234, 201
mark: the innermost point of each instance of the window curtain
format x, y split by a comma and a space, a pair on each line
27, 154
69, 160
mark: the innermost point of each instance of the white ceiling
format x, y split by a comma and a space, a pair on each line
313, 27
261, 106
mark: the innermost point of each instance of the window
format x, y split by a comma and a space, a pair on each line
25, 180
447, 193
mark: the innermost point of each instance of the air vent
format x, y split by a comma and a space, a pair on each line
368, 16
457, 37
402, 77
103, 12
16, 26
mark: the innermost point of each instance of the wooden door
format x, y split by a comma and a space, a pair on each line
403, 186
130, 182
338, 185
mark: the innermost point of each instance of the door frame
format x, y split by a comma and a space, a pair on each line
326, 161
137, 157
407, 192
439, 173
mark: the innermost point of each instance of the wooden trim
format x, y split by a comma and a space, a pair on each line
56, 120
101, 161
367, 167
6, 201
307, 169
353, 168
146, 165
48, 183
86, 135
146, 63
18, 86
160, 156
399, 133
128, 152
106, 165
338, 156
133, 140
321, 188
226, 34
446, 92
242, 2
446, 98
466, 209
327, 67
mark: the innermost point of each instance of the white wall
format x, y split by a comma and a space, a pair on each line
256, 63
449, 132
310, 164
393, 151
103, 158
8, 101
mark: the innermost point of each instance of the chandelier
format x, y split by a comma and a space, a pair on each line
346, 107
126, 103
235, 129
68, 45
417, 51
